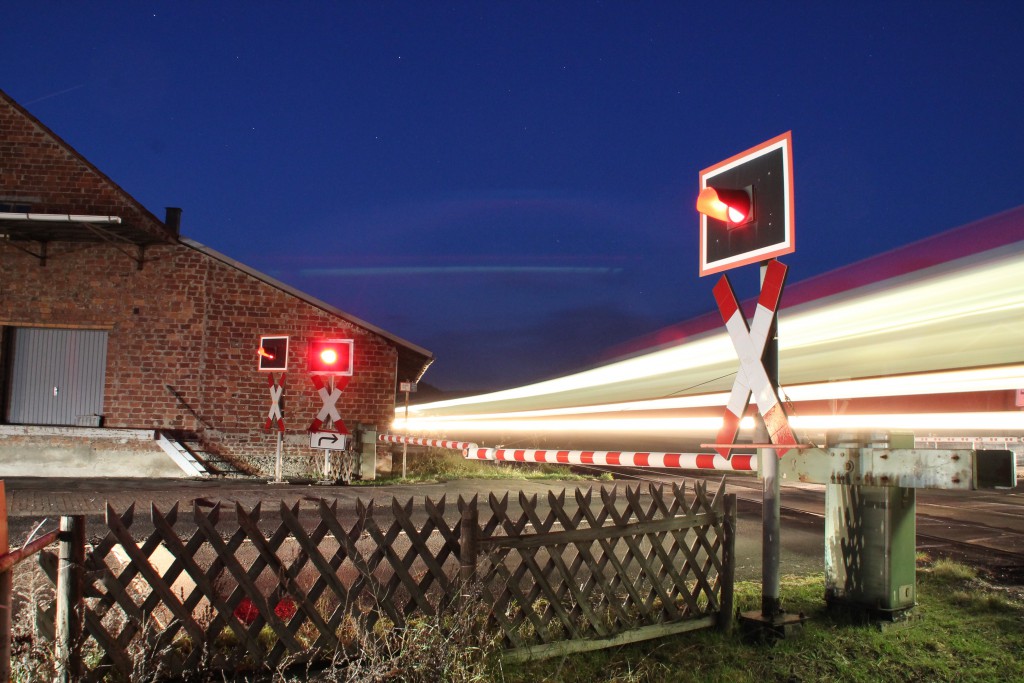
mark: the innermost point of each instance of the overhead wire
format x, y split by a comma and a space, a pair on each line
699, 384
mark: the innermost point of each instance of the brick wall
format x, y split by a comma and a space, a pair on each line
188, 325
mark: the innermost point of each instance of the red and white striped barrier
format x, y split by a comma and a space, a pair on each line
435, 443
683, 461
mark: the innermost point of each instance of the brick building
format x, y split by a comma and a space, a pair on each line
112, 321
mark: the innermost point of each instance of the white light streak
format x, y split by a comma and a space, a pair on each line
957, 381
952, 328
695, 425
995, 421
998, 421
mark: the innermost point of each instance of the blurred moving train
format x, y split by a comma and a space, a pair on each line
927, 338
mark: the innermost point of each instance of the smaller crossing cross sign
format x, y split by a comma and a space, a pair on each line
274, 416
752, 376
329, 411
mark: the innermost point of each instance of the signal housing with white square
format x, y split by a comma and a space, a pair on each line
765, 173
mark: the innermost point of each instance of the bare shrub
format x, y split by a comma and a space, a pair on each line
453, 644
32, 655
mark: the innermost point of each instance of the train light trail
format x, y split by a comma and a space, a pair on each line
612, 414
995, 421
1003, 378
1006, 378
959, 317
952, 330
593, 425
974, 421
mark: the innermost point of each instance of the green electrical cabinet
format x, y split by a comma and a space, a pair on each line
870, 547
871, 481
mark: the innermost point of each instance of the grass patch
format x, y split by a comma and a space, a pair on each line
947, 571
962, 629
443, 464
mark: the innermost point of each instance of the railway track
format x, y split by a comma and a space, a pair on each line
995, 550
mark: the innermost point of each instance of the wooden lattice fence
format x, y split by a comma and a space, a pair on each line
618, 571
202, 591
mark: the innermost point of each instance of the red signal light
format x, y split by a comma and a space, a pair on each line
729, 206
330, 357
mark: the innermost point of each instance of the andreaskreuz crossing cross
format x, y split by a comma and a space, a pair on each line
752, 376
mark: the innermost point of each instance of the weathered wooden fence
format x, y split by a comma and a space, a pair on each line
591, 570
618, 571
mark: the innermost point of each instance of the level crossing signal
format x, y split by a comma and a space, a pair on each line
273, 353
746, 207
330, 357
734, 207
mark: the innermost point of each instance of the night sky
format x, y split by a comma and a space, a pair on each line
511, 185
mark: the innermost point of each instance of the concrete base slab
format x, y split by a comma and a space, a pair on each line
27, 451
756, 627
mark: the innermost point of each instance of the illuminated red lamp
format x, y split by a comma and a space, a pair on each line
330, 357
729, 206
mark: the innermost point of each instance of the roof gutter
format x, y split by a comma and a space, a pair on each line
59, 218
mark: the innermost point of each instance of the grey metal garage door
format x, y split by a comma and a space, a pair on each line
57, 376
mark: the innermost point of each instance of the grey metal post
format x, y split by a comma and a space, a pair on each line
278, 465
771, 517
405, 446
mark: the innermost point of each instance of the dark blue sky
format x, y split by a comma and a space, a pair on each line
511, 185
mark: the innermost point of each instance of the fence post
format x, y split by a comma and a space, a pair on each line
68, 626
469, 542
6, 589
726, 608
